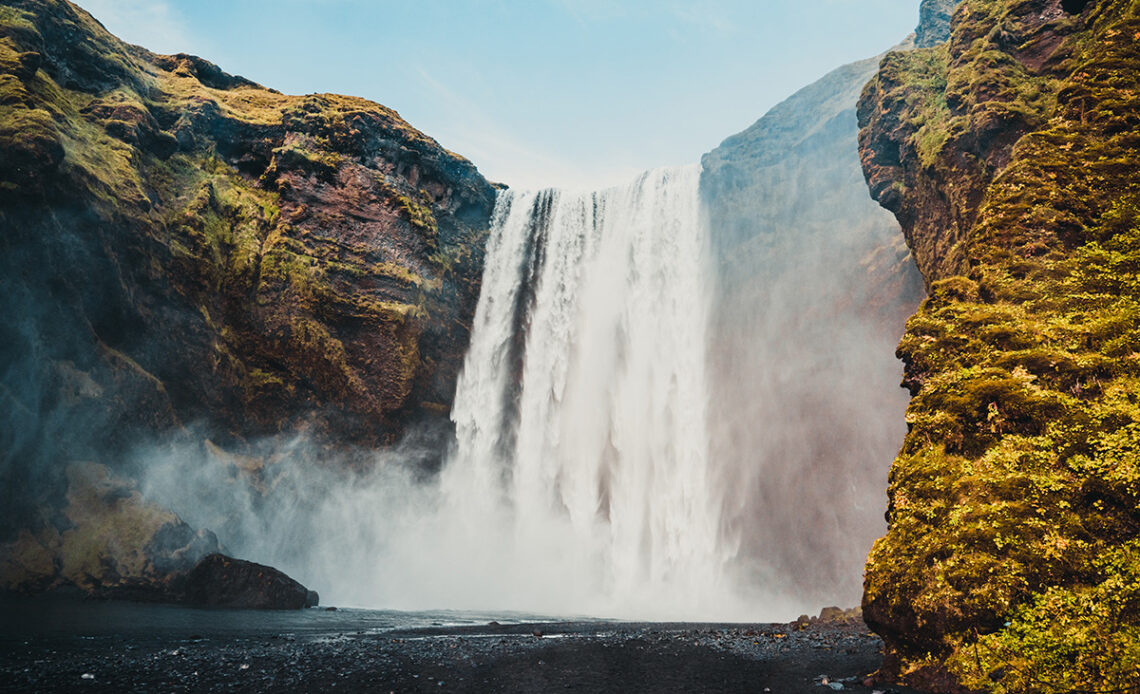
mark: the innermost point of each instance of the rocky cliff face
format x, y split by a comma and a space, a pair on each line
181, 247
933, 22
1010, 157
815, 283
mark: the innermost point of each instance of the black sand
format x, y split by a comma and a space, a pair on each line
568, 656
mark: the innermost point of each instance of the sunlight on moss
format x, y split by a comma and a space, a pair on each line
1016, 496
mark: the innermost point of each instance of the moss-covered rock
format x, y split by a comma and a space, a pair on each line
1010, 156
180, 246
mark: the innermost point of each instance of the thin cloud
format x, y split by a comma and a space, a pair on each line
150, 23
704, 16
498, 153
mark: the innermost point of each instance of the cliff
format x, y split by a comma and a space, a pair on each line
184, 250
933, 22
814, 284
1009, 156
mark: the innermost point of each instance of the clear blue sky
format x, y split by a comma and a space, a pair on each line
535, 92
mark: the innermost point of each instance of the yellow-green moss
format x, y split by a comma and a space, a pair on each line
419, 214
1014, 503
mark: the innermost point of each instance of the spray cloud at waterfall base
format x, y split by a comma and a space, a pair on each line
581, 480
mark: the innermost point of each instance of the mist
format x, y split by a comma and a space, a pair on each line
813, 285
673, 407
579, 482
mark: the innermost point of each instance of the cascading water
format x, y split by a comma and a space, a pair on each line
581, 480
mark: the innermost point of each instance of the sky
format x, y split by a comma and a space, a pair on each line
572, 93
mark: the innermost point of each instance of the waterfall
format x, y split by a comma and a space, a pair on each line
581, 482
581, 476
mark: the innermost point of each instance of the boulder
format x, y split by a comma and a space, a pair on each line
831, 614
221, 581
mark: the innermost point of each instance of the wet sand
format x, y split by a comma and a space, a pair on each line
568, 656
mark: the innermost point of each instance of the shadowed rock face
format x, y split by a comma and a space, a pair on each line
814, 285
180, 246
1010, 157
107, 541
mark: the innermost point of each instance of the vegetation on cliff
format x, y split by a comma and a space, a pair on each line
182, 246
1010, 156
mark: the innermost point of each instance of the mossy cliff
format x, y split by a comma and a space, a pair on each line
179, 246
1010, 157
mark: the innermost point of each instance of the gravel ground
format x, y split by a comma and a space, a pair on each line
532, 657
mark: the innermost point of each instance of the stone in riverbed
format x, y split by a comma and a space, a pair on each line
831, 614
221, 581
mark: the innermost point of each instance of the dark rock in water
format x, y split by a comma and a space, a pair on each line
837, 615
221, 581
110, 543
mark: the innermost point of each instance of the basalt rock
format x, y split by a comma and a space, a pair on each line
221, 581
1010, 155
260, 259
110, 543
180, 246
933, 22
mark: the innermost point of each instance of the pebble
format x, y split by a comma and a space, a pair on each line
339, 660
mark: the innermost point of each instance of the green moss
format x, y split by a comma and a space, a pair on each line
419, 214
1067, 639
259, 383
1015, 500
11, 18
318, 161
